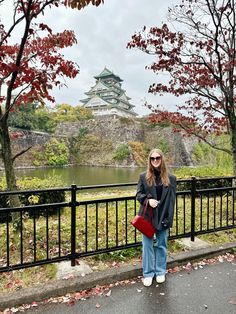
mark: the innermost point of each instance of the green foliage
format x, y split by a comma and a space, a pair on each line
29, 183
83, 113
82, 132
174, 246
121, 255
55, 153
214, 163
33, 117
130, 255
30, 198
45, 121
202, 172
24, 117
65, 112
203, 154
163, 145
75, 142
199, 152
122, 152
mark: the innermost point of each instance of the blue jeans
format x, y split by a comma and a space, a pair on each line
154, 255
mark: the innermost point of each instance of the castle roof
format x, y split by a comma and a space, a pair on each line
106, 94
106, 73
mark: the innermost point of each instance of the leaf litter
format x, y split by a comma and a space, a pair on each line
71, 298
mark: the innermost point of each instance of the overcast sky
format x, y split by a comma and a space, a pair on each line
103, 33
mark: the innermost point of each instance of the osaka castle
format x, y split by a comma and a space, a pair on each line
107, 97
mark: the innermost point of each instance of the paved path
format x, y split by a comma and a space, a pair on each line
210, 290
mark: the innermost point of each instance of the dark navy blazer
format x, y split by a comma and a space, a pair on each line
164, 212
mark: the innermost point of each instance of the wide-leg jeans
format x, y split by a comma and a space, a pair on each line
154, 254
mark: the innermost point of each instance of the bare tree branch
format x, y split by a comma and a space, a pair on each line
21, 153
205, 140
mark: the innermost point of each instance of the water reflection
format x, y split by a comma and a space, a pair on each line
85, 175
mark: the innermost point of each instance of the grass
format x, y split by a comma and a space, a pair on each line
17, 279
100, 217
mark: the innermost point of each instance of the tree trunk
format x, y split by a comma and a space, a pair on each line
9, 169
233, 143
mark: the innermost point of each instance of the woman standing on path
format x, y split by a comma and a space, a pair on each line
156, 189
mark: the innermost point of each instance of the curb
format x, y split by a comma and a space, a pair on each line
60, 287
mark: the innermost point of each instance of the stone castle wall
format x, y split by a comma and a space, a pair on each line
116, 129
113, 129
25, 140
121, 130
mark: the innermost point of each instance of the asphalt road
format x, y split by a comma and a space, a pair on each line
210, 290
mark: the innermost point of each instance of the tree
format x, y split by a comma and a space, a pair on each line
200, 62
31, 66
24, 117
66, 112
80, 4
32, 117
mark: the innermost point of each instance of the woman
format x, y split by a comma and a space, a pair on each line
156, 189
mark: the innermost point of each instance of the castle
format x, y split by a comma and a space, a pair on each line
107, 97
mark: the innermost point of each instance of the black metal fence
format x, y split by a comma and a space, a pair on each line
79, 227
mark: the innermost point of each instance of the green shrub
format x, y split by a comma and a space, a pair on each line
203, 154
122, 152
48, 197
30, 198
55, 153
163, 144
204, 172
82, 132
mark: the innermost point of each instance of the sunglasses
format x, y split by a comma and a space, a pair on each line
155, 158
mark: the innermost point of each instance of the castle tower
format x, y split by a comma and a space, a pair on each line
107, 97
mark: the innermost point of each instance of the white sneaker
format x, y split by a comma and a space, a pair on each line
160, 278
147, 281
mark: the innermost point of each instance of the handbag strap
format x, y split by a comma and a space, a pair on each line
151, 212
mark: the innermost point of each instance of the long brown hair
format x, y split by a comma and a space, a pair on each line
163, 169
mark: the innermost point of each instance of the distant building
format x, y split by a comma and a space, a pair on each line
107, 97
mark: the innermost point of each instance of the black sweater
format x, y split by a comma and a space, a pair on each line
158, 183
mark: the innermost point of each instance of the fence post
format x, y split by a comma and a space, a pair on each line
73, 223
193, 197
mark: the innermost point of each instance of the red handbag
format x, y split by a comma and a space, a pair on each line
143, 225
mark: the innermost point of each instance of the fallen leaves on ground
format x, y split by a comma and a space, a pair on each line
106, 290
71, 298
228, 257
232, 301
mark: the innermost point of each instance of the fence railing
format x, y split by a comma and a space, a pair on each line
78, 227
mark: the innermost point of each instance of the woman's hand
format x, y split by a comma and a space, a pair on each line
152, 202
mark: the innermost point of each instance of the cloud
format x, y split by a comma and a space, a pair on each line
103, 33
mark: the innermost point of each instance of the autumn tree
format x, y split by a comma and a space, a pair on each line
66, 112
43, 118
196, 51
31, 64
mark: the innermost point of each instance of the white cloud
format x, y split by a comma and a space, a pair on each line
103, 33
